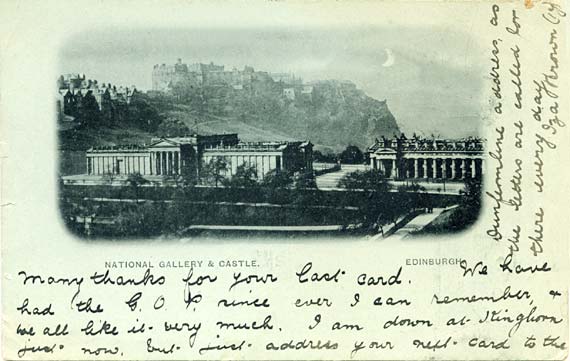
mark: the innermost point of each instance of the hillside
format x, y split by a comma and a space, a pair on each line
332, 116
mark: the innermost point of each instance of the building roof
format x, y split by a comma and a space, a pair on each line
210, 142
117, 148
423, 144
259, 146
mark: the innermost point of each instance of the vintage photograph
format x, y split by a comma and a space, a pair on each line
284, 180
297, 132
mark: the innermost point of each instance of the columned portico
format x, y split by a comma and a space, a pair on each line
428, 159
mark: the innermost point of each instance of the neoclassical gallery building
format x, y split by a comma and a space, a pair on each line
418, 158
187, 155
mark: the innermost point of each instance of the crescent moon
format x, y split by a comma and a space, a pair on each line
389, 58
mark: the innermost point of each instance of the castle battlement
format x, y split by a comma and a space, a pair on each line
167, 76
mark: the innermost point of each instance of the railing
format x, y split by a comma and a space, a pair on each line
246, 147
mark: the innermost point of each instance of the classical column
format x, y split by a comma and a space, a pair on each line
472, 168
393, 172
482, 167
424, 166
259, 166
179, 162
452, 168
166, 163
435, 167
444, 168
163, 160
159, 163
416, 168
169, 162
272, 162
462, 175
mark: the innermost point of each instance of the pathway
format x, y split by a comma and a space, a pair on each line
330, 180
415, 224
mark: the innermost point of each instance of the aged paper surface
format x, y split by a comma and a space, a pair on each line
284, 180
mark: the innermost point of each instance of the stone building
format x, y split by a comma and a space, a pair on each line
166, 77
418, 158
187, 156
286, 78
289, 93
73, 89
263, 156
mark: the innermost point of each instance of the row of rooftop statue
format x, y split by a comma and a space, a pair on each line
418, 143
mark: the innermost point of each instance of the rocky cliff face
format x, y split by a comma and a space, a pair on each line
332, 114
343, 115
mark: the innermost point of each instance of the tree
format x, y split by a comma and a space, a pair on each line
245, 177
370, 180
352, 155
372, 207
88, 111
214, 171
135, 180
305, 180
142, 114
464, 215
319, 156
277, 179
108, 177
472, 193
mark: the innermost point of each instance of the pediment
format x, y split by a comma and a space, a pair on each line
385, 151
164, 143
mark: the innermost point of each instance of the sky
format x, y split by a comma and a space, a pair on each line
431, 78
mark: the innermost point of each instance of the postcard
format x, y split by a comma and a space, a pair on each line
284, 180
